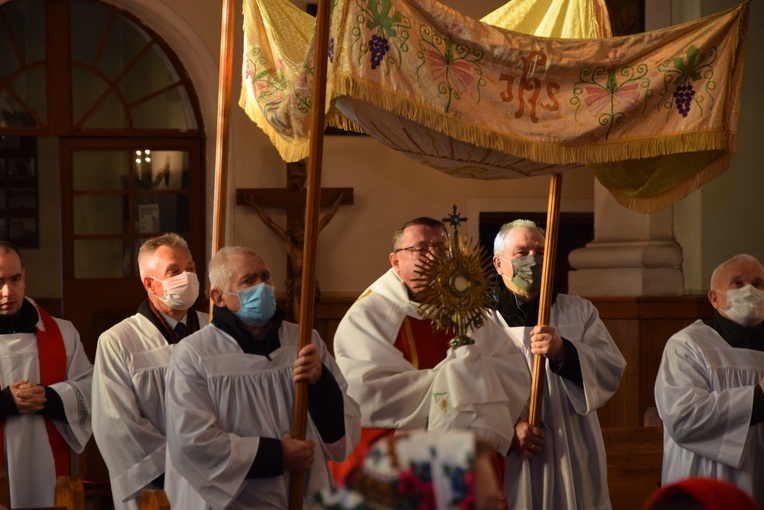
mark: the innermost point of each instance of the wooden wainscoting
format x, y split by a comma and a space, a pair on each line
641, 327
634, 461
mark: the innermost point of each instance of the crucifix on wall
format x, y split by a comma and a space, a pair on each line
293, 198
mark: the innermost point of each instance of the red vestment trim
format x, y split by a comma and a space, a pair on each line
51, 353
421, 344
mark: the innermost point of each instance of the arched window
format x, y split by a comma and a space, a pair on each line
103, 115
119, 74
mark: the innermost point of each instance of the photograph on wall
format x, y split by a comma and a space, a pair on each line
148, 218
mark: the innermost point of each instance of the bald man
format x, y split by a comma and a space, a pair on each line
710, 385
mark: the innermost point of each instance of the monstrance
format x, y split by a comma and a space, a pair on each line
456, 289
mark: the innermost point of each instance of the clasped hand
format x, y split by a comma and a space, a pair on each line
29, 398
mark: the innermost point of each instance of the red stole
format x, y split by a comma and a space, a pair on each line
51, 353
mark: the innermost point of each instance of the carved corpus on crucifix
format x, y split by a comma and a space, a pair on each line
293, 198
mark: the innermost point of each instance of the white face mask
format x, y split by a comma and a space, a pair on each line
745, 305
180, 291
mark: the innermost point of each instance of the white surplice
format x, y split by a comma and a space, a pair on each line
28, 456
570, 472
220, 402
129, 405
704, 394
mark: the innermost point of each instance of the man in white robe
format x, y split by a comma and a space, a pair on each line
560, 465
401, 371
230, 400
131, 368
710, 385
45, 377
385, 349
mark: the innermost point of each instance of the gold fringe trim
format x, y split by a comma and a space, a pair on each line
544, 152
339, 121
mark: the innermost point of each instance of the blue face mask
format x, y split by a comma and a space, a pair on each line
258, 304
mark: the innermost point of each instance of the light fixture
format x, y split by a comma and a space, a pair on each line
142, 157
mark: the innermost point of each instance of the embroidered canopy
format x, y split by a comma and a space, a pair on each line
654, 115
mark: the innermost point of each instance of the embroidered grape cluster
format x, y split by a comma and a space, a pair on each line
378, 47
683, 98
331, 50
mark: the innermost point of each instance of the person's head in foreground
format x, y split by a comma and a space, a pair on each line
422, 470
700, 494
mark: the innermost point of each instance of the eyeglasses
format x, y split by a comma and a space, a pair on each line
421, 248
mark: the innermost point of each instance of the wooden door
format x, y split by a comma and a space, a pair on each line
116, 193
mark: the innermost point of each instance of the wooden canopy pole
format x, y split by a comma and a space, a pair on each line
545, 300
225, 77
312, 209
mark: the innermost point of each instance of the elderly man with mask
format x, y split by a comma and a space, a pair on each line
230, 399
131, 367
710, 385
561, 464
